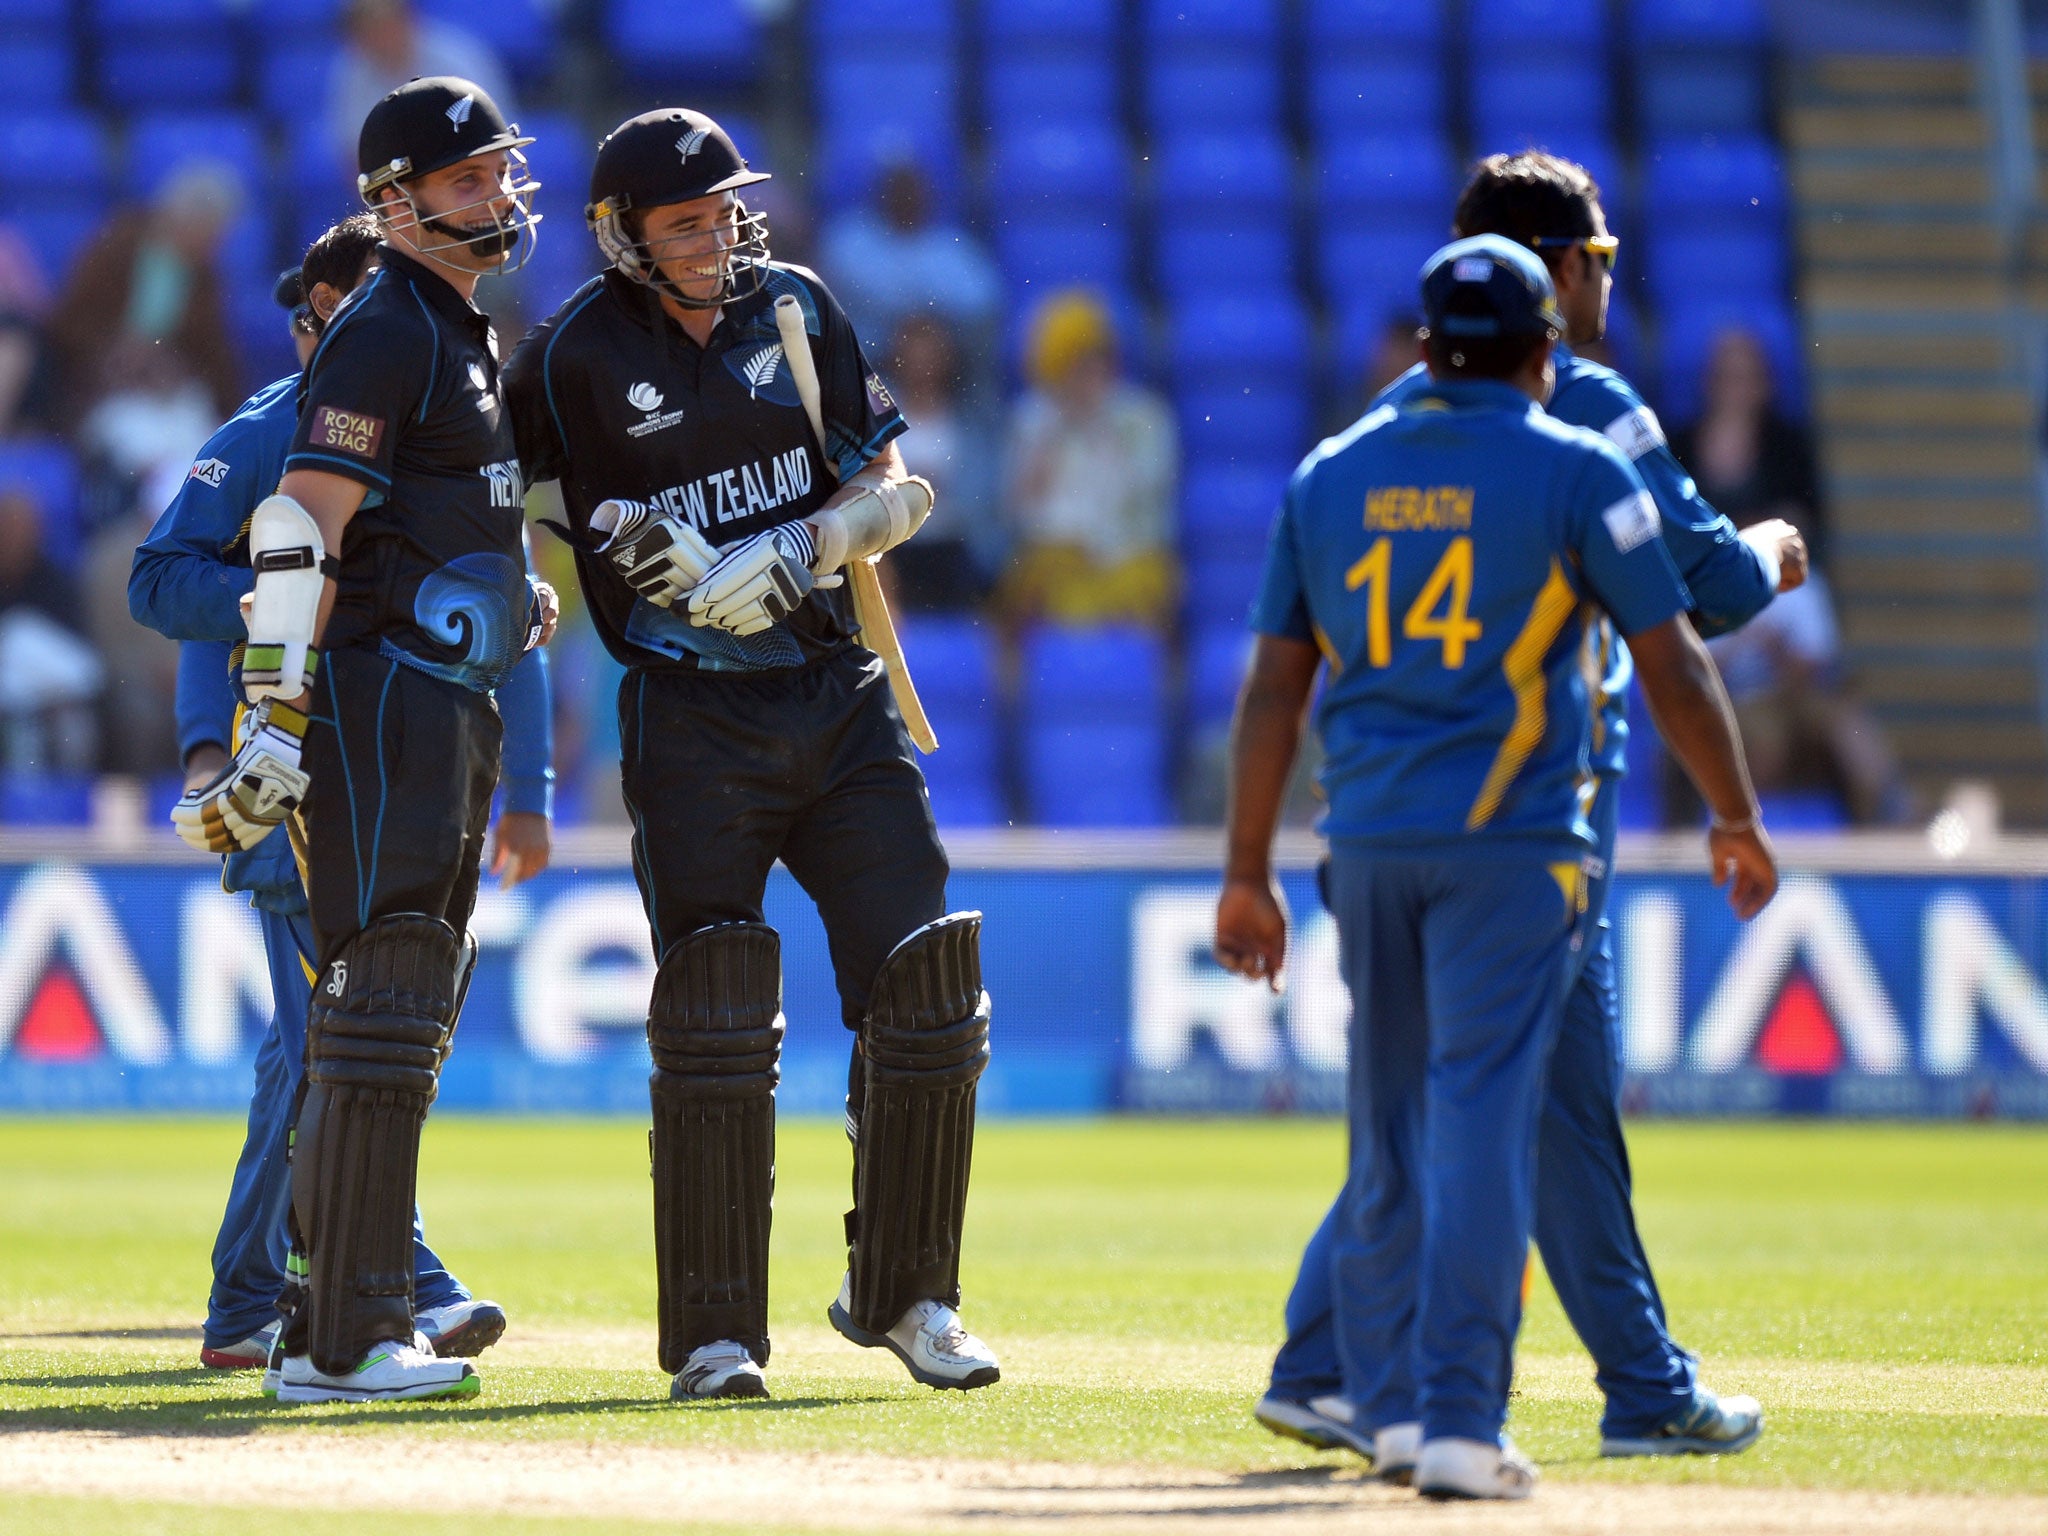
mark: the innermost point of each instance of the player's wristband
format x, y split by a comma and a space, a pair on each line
1734, 828
268, 660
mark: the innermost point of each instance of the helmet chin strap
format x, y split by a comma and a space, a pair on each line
493, 239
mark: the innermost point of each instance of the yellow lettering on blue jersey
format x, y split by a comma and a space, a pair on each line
1418, 509
1523, 664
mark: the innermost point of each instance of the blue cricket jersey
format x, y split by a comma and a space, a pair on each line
1730, 583
188, 580
1445, 554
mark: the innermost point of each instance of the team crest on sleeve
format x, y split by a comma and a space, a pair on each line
349, 432
880, 401
1636, 433
1631, 521
210, 472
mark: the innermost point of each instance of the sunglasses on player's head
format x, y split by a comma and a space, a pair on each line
1601, 248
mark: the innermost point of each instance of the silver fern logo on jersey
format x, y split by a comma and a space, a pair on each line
644, 397
691, 142
459, 113
760, 368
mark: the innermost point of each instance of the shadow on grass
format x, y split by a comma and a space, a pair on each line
105, 1333
245, 1413
1316, 1486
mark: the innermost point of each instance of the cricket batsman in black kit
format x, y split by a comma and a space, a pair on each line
716, 531
394, 546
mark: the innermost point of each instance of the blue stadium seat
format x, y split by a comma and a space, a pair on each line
1217, 657
1720, 264
277, 20
1515, 105
1210, 167
1048, 91
1510, 26
1706, 183
522, 31
1227, 509
1411, 174
1183, 27
1243, 335
166, 141
918, 95
1212, 93
1220, 588
1050, 23
1357, 95
1376, 264
168, 53
704, 42
923, 24
1210, 256
964, 777
1061, 168
1682, 24
48, 14
857, 152
1372, 26
565, 255
1096, 774
38, 69
1687, 337
31, 799
63, 152
1038, 254
1101, 673
955, 662
1244, 424
47, 470
293, 69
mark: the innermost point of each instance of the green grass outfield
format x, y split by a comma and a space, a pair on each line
1884, 1289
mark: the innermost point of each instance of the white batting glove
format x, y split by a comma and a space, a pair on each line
243, 803
758, 582
660, 556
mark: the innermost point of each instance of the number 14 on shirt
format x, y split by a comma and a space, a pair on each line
1449, 587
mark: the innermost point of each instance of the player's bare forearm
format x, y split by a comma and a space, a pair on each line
1691, 709
1265, 738
885, 468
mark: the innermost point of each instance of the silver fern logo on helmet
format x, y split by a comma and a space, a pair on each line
459, 113
691, 142
644, 397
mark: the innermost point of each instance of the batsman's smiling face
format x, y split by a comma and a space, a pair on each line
688, 242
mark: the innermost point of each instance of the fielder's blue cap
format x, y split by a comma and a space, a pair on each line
1488, 286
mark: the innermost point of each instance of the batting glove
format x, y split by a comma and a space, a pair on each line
244, 802
758, 582
660, 557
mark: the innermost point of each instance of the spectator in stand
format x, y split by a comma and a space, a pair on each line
389, 43
138, 723
1751, 462
1090, 480
151, 279
49, 675
948, 566
896, 260
24, 358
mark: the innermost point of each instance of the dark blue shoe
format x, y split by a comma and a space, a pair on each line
1712, 1426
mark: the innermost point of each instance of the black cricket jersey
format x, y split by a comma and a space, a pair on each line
609, 396
403, 396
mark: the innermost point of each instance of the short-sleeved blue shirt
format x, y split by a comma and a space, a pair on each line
1730, 583
1446, 555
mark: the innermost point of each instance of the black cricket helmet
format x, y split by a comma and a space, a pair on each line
673, 155
427, 125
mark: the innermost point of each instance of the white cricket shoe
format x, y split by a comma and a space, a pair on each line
462, 1328
1450, 1468
242, 1355
927, 1338
723, 1369
1710, 1426
390, 1372
1326, 1423
1395, 1449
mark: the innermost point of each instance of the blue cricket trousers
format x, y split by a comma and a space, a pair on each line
1585, 1223
1458, 969
248, 1256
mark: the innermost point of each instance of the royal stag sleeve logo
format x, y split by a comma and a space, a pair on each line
349, 432
210, 472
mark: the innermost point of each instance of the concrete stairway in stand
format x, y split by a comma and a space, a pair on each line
1918, 349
